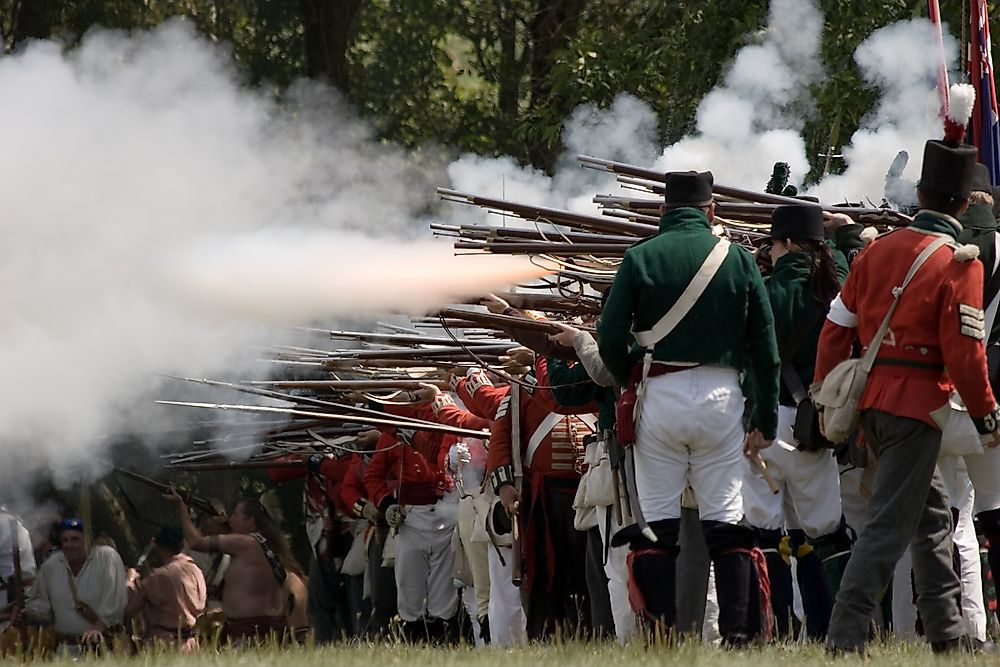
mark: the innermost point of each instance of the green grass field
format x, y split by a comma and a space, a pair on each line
570, 654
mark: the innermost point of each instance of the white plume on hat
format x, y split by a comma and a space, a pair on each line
961, 99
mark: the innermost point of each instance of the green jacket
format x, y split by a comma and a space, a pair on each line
730, 325
791, 301
572, 387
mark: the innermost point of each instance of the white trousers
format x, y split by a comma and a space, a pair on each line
808, 482
507, 620
425, 584
965, 496
616, 569
691, 431
476, 556
983, 471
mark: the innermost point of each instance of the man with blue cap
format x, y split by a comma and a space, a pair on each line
81, 589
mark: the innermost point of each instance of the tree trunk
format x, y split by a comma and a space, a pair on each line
35, 20
330, 26
553, 26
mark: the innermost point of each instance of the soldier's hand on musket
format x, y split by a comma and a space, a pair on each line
509, 498
369, 437
833, 221
495, 304
754, 442
565, 336
395, 515
996, 438
426, 393
174, 498
93, 634
521, 356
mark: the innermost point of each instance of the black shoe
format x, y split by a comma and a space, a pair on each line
961, 644
845, 652
484, 629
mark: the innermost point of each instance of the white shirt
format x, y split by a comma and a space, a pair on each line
100, 585
8, 521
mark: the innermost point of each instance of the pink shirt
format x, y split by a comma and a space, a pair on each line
173, 595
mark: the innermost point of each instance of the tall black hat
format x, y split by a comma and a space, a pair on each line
688, 188
947, 170
798, 222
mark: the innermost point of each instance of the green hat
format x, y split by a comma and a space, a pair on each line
169, 536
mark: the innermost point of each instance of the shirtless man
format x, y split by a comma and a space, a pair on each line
253, 597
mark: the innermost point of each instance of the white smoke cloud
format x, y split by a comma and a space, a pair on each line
158, 216
625, 131
753, 119
902, 61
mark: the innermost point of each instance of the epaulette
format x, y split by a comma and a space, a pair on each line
966, 252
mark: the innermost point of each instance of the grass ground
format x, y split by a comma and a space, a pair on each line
570, 654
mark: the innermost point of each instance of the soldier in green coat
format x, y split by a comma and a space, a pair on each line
691, 428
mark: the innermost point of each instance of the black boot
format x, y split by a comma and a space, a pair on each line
989, 523
744, 617
652, 570
484, 628
417, 632
833, 551
817, 602
780, 574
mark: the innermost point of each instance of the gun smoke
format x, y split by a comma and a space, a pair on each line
160, 217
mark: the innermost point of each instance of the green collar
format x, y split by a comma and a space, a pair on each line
792, 263
934, 221
684, 218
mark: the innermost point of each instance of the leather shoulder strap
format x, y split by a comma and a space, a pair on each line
687, 299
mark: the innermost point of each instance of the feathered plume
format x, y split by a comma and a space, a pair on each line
779, 178
961, 98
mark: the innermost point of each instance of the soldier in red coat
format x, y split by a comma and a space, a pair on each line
934, 344
550, 450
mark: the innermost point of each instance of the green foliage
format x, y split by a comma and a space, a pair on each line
487, 76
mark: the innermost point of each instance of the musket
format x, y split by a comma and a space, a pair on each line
421, 353
237, 465
307, 400
559, 249
552, 302
347, 385
393, 338
188, 497
483, 232
552, 215
18, 584
414, 424
516, 562
863, 215
505, 321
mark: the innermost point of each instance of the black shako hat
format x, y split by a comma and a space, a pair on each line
798, 222
981, 181
688, 188
947, 169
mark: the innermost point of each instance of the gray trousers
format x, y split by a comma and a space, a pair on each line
908, 507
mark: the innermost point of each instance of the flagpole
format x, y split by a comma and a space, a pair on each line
934, 12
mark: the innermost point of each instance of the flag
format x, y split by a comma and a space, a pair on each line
985, 126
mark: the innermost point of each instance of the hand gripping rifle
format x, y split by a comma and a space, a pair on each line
189, 498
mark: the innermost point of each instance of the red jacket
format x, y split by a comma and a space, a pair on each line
352, 488
479, 395
412, 473
936, 326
